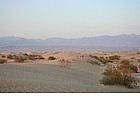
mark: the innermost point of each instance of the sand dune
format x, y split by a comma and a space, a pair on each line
49, 76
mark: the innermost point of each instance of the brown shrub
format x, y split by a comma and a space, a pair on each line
114, 76
51, 58
19, 59
65, 63
114, 57
139, 60
10, 56
3, 56
125, 66
33, 57
93, 61
2, 61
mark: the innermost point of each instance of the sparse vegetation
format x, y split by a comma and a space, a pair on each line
33, 57
94, 61
19, 59
2, 61
10, 56
106, 60
114, 57
125, 65
120, 75
3, 56
65, 63
139, 60
51, 58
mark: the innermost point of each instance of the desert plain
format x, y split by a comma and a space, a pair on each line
69, 72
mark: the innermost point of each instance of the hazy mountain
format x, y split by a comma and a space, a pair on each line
123, 41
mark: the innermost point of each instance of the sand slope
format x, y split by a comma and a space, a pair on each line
80, 77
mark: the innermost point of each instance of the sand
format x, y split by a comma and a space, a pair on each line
49, 76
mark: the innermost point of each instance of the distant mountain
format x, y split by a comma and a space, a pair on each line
123, 41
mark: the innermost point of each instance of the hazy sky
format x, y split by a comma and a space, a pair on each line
68, 18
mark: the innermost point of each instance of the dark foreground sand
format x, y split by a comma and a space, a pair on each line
80, 77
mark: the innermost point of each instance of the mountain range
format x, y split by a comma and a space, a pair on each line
119, 42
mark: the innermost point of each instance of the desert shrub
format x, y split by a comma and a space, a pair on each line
125, 65
10, 56
19, 59
51, 58
40, 57
93, 56
114, 76
3, 56
106, 60
114, 57
139, 60
2, 61
65, 63
33, 57
93, 61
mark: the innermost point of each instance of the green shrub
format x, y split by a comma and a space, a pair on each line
2, 61
51, 58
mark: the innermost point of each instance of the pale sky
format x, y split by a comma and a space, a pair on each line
68, 18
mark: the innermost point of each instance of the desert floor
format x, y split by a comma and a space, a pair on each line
50, 76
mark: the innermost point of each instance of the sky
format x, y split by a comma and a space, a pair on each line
68, 18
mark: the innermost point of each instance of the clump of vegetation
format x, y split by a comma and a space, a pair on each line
120, 75
114, 57
51, 58
65, 63
125, 65
93, 61
33, 57
19, 59
139, 60
106, 60
10, 56
3, 56
2, 61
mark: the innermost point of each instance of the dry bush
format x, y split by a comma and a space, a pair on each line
114, 57
125, 65
10, 56
3, 56
106, 60
114, 76
139, 60
19, 59
51, 58
33, 57
2, 61
93, 61
65, 63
